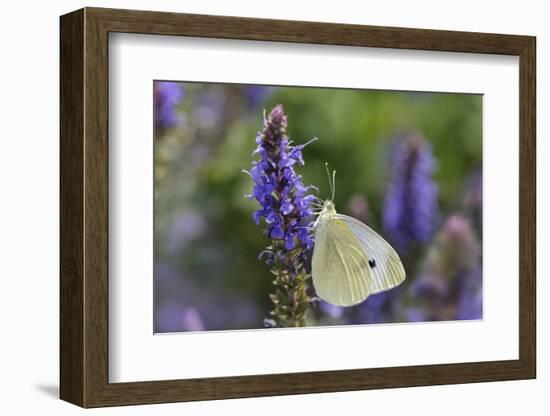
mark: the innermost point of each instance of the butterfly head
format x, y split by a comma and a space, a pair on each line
329, 207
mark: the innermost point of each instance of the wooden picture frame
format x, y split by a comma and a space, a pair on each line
84, 207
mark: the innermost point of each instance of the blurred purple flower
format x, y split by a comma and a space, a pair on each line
210, 108
415, 315
430, 286
410, 207
172, 317
186, 227
331, 310
473, 198
256, 94
450, 285
184, 304
192, 320
285, 207
376, 309
470, 304
455, 250
167, 96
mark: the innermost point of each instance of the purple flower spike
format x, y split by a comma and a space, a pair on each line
411, 208
285, 207
167, 96
285, 204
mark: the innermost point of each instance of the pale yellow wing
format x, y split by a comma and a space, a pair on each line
351, 261
340, 268
385, 265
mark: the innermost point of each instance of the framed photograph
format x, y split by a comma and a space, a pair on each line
257, 207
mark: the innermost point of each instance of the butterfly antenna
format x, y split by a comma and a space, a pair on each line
328, 176
333, 185
331, 182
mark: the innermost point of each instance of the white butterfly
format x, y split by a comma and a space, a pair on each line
350, 261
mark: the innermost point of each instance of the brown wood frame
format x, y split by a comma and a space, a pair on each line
84, 207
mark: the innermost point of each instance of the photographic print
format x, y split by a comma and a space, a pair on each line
287, 206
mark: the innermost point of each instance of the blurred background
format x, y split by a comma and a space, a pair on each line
408, 163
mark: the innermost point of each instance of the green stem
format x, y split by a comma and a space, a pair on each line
290, 299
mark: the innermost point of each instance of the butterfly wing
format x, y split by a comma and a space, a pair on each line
341, 272
385, 265
340, 268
